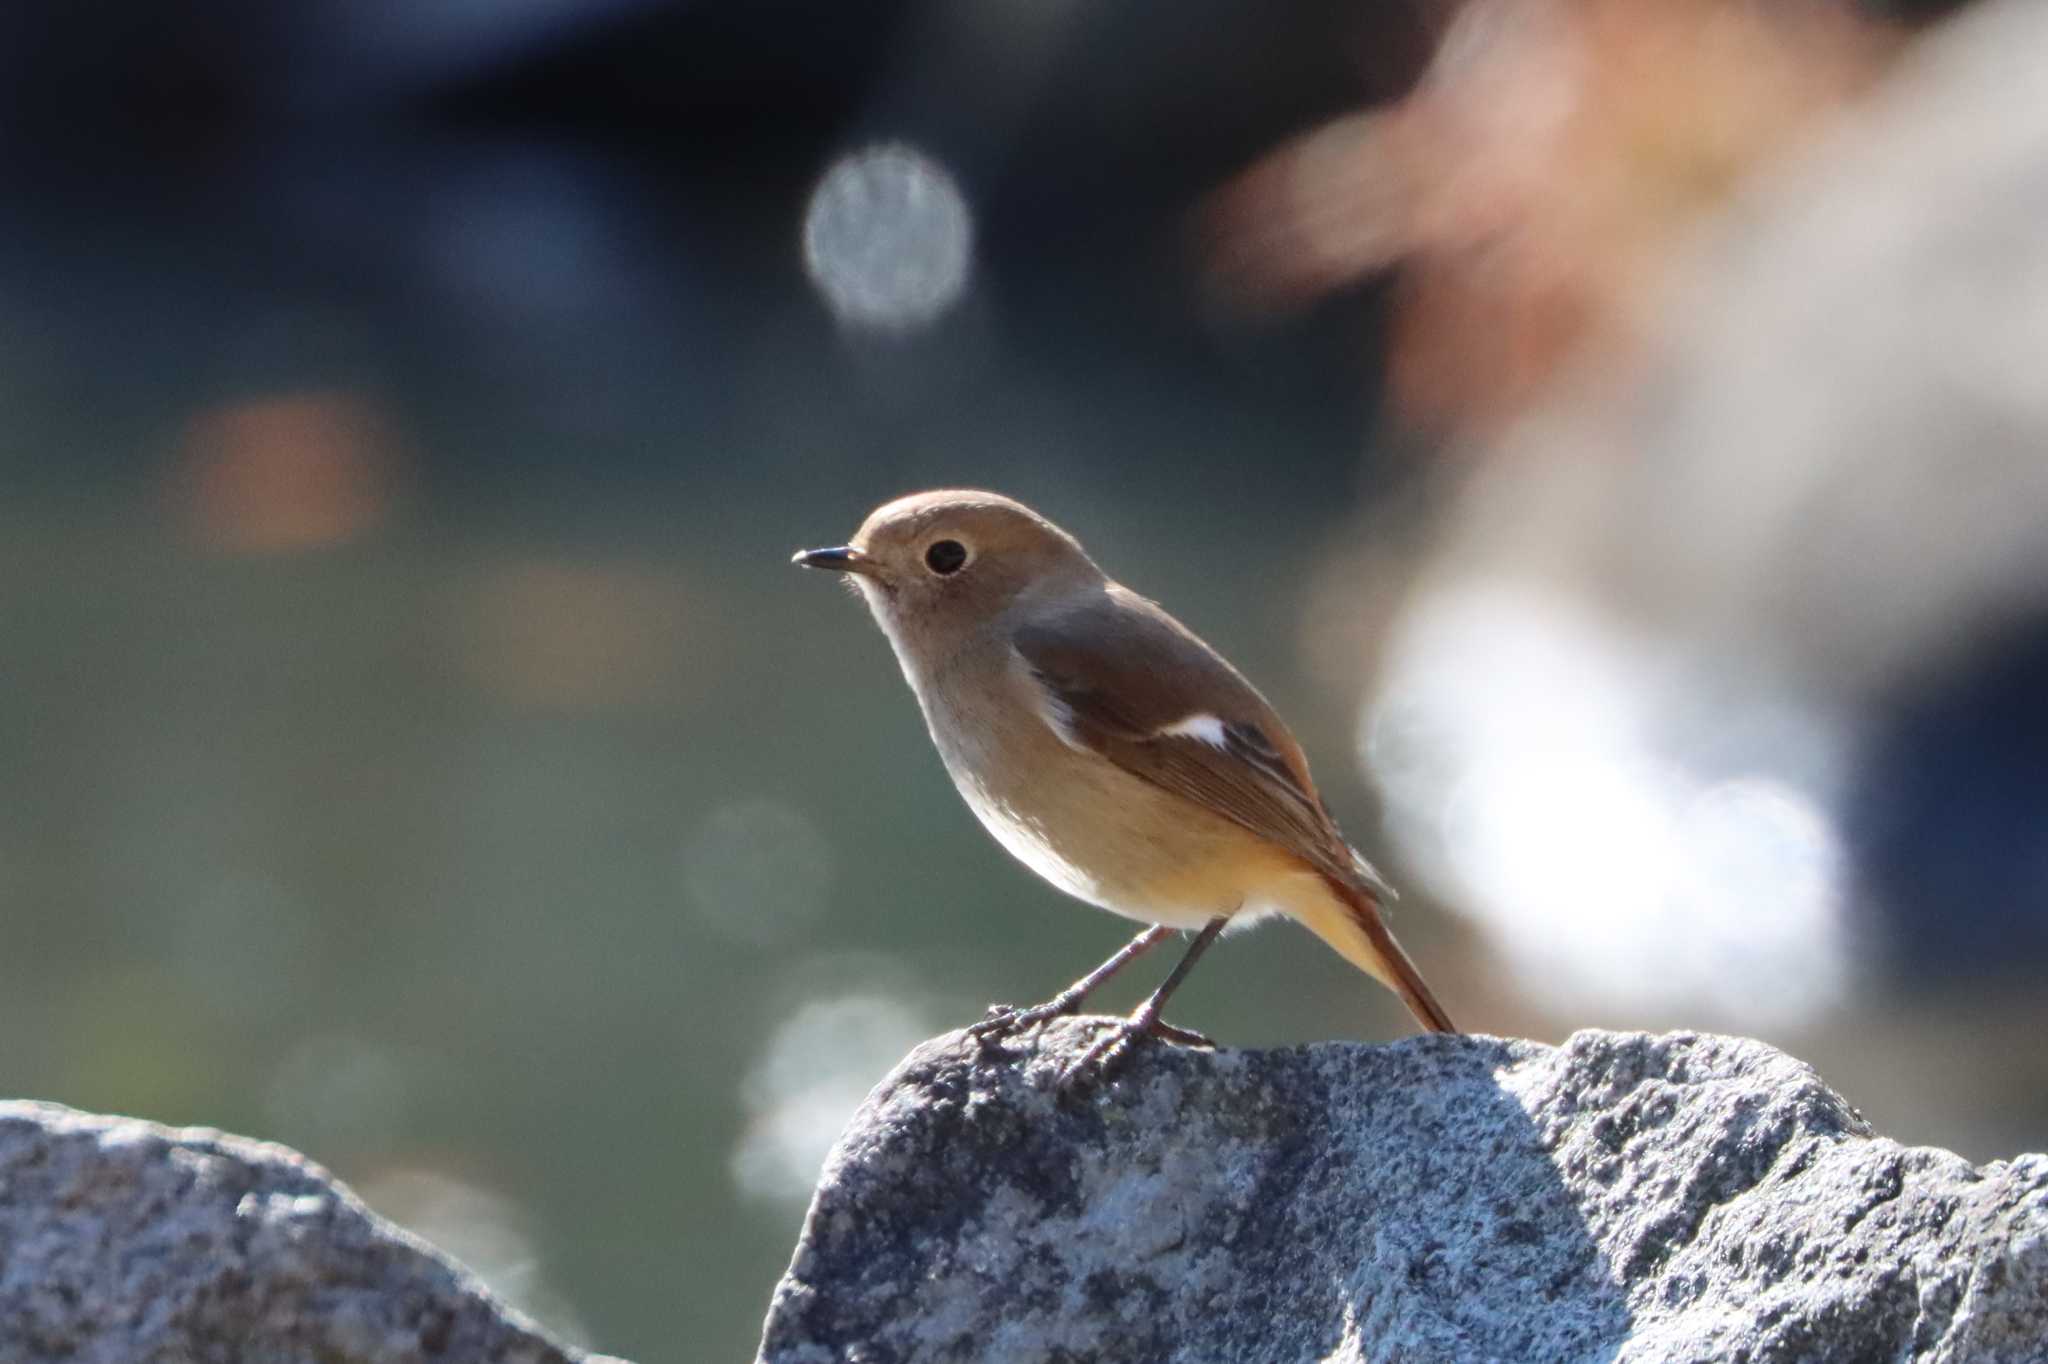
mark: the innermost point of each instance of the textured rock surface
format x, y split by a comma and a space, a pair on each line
122, 1242
1621, 1197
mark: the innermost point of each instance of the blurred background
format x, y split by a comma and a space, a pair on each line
1612, 430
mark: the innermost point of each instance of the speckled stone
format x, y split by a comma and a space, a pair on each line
123, 1242
1622, 1197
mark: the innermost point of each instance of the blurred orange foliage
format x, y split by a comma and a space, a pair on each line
286, 472
1536, 181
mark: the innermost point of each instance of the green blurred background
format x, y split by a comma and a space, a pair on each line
418, 748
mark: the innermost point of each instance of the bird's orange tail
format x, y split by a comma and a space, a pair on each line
1349, 921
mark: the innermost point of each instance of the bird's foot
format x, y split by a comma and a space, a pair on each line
1186, 1037
1107, 1054
1007, 1020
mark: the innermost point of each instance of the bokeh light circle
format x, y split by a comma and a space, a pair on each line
888, 238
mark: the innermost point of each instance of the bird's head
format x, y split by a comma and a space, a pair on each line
937, 566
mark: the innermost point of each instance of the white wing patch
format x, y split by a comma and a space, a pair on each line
1201, 725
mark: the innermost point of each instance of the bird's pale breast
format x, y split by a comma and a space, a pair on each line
1088, 826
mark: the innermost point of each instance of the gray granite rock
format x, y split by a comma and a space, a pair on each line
122, 1242
1618, 1198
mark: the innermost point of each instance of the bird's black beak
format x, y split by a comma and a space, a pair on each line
840, 559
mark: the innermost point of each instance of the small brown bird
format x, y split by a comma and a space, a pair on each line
1109, 749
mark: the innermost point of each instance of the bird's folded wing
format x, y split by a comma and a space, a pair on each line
1125, 680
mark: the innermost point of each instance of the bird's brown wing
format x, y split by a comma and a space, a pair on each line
1126, 680
1123, 679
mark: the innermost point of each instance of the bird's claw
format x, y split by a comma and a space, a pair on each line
1007, 1020
1186, 1037
1107, 1054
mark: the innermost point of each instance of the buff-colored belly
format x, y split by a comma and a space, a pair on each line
1113, 839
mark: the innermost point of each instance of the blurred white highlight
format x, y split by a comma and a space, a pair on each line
816, 1069
888, 239
757, 871
487, 1231
1538, 771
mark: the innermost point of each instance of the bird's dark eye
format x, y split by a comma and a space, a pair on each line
945, 556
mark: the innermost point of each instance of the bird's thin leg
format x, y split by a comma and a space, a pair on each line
1107, 1052
1005, 1019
